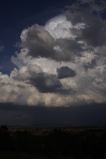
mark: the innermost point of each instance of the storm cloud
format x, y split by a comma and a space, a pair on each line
46, 82
65, 72
62, 63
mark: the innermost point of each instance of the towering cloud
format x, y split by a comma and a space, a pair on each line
62, 63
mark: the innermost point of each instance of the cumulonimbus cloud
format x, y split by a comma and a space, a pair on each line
62, 63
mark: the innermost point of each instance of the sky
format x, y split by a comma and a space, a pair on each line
53, 55
17, 15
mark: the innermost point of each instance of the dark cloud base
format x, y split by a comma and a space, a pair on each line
65, 72
40, 116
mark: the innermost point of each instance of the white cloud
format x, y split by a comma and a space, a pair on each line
18, 92
60, 28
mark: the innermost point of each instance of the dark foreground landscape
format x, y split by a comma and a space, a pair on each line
73, 143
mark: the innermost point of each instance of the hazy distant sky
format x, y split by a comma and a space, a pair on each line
53, 53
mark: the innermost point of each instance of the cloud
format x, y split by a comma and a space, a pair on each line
65, 72
46, 82
95, 34
38, 41
95, 26
14, 91
59, 28
62, 63
54, 40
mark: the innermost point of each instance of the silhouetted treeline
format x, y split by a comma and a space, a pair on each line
76, 143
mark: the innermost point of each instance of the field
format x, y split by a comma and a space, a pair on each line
59, 143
